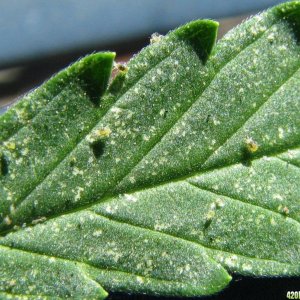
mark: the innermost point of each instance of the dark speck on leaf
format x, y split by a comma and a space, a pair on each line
207, 223
208, 118
3, 165
72, 162
98, 148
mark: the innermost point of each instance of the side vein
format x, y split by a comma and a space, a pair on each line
197, 98
288, 162
253, 113
243, 201
185, 239
82, 263
80, 140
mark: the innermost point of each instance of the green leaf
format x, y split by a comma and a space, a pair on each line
184, 171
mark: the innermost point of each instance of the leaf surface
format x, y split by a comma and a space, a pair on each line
184, 171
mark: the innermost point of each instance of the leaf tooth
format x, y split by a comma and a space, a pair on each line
290, 12
94, 75
201, 35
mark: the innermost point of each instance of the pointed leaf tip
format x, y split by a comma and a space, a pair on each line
95, 70
201, 35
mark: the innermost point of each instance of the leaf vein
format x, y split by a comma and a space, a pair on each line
84, 136
259, 107
288, 162
184, 239
243, 201
84, 263
197, 98
45, 107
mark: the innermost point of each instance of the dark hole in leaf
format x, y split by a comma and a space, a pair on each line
8, 288
208, 118
3, 165
207, 223
211, 239
72, 162
45, 127
98, 148
68, 204
164, 114
247, 156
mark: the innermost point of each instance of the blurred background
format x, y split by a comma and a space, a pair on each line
40, 37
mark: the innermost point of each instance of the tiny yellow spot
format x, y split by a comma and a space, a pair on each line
10, 145
210, 215
139, 279
25, 151
155, 38
103, 133
12, 282
121, 67
252, 146
40, 220
73, 160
